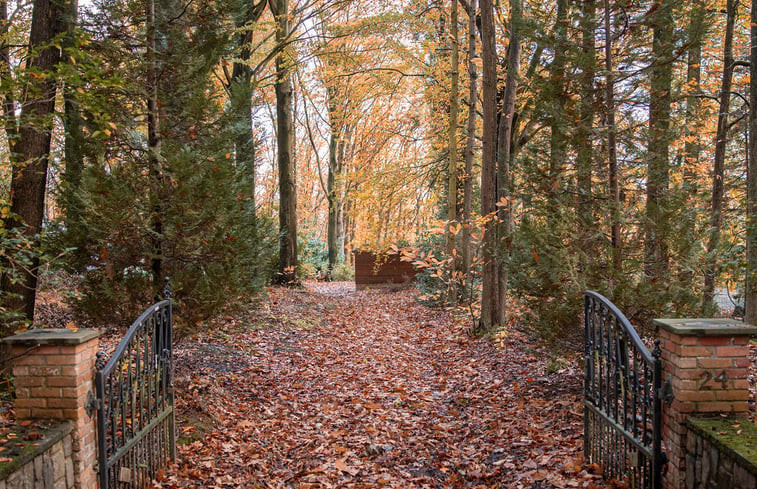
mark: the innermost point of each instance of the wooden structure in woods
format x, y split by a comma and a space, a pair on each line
374, 270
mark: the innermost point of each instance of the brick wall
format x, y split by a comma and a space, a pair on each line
54, 372
706, 362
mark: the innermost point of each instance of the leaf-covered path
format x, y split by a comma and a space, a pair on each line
325, 387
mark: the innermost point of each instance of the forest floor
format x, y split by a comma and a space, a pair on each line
327, 387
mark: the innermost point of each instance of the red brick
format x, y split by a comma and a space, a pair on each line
683, 407
22, 392
681, 384
62, 381
23, 413
47, 350
34, 402
741, 340
29, 381
687, 340
698, 351
686, 362
732, 351
741, 362
29, 359
695, 374
732, 395
44, 371
715, 340
69, 392
715, 362
742, 384
47, 413
737, 373
62, 403
740, 406
715, 407
690, 396
46, 392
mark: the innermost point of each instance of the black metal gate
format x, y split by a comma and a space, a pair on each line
135, 403
622, 407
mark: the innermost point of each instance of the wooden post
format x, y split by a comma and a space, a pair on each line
54, 373
706, 362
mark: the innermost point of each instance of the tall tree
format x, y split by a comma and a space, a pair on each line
32, 148
504, 156
612, 153
584, 139
751, 235
470, 138
240, 94
557, 91
693, 147
718, 171
490, 275
658, 177
285, 149
454, 103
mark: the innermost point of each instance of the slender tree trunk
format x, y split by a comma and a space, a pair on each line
584, 139
504, 155
467, 179
285, 157
10, 123
32, 149
658, 179
612, 154
452, 176
335, 169
751, 235
692, 147
75, 149
154, 142
490, 293
240, 89
721, 139
558, 140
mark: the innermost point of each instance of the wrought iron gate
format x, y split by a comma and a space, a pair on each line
622, 406
135, 403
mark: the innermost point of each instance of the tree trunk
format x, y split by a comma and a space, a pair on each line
490, 293
584, 139
285, 156
557, 87
692, 147
10, 123
32, 149
154, 142
332, 196
504, 155
658, 179
240, 89
751, 235
452, 177
467, 179
612, 154
75, 149
721, 139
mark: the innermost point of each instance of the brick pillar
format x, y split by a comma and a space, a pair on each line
707, 364
54, 372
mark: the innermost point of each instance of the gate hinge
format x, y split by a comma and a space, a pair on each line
666, 392
92, 404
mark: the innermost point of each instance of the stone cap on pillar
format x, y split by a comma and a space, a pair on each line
706, 327
56, 336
